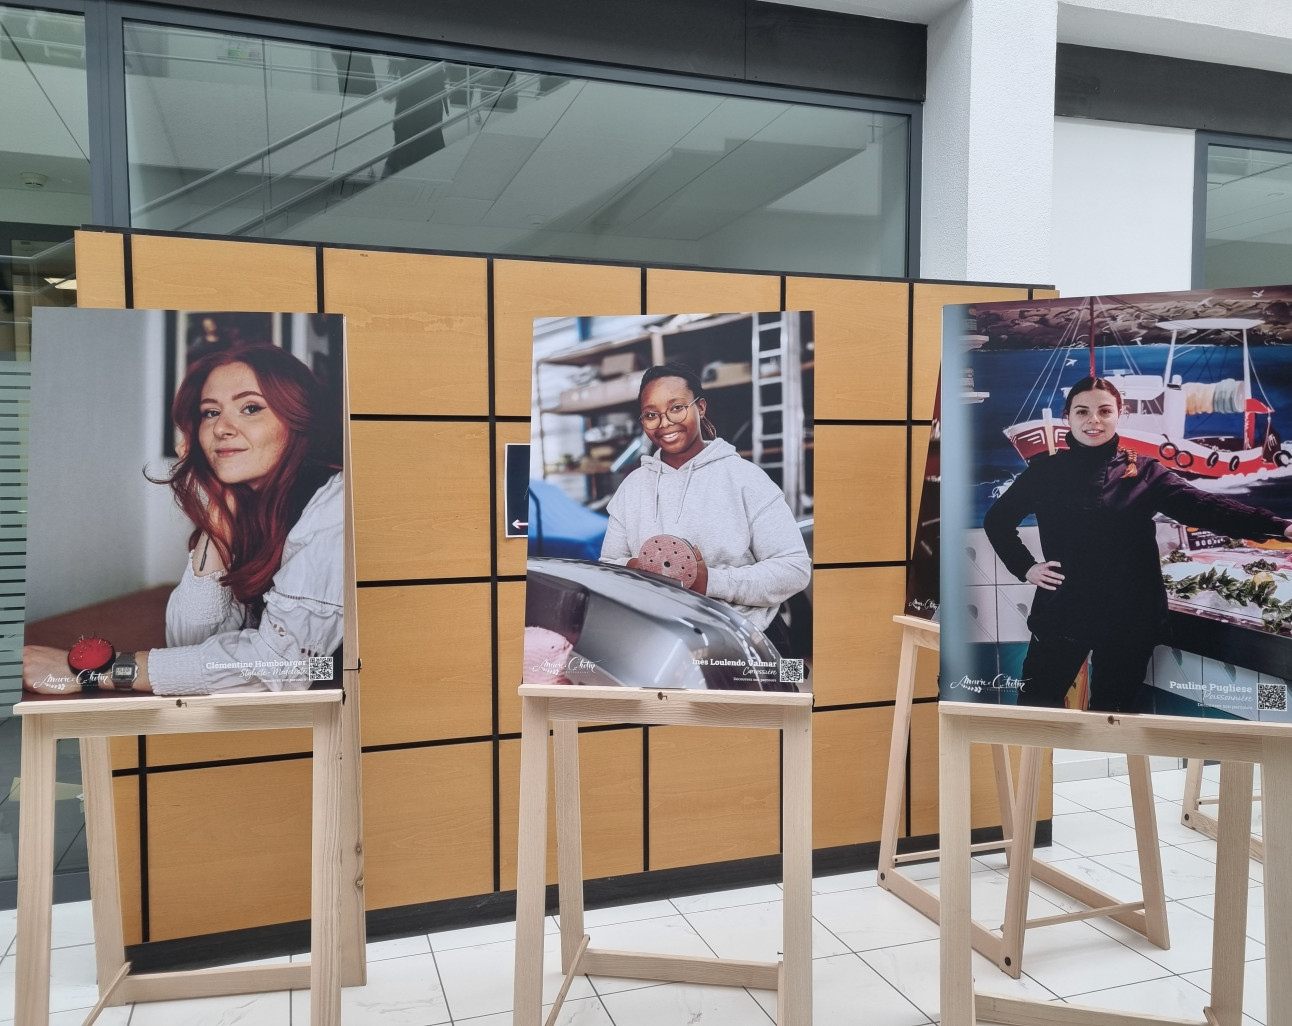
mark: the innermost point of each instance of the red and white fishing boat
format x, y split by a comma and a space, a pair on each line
1158, 409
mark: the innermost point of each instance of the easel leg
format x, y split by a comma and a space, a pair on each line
1144, 808
900, 743
531, 864
569, 839
794, 1005
101, 844
953, 828
354, 929
1192, 791
1022, 832
1229, 932
1276, 792
35, 874
1005, 796
325, 870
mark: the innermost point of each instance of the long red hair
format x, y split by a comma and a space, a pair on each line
248, 526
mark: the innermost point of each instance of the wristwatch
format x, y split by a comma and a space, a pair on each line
90, 659
124, 672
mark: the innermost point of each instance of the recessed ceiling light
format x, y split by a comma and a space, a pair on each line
33, 179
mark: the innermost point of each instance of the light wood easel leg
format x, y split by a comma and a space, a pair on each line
794, 1003
531, 864
1192, 791
1020, 822
35, 874
1276, 791
957, 998
354, 928
325, 870
101, 847
1144, 810
569, 841
898, 746
1229, 932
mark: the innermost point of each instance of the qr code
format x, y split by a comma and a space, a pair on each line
1273, 697
791, 671
320, 667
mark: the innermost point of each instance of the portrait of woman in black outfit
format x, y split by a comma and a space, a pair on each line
1099, 579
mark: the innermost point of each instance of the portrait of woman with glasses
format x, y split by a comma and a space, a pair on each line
747, 548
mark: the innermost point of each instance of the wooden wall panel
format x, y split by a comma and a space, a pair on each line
669, 291
511, 646
173, 273
421, 499
860, 494
926, 330
417, 330
124, 752
849, 765
427, 823
1045, 293
511, 551
100, 270
525, 289
427, 663
125, 808
229, 848
610, 792
861, 328
855, 643
714, 795
919, 435
180, 749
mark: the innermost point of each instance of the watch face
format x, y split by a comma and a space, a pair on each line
90, 654
124, 672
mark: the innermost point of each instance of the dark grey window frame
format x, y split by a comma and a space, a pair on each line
1202, 141
105, 80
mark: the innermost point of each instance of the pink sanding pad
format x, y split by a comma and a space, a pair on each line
669, 556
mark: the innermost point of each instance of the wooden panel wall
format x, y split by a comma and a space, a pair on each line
439, 362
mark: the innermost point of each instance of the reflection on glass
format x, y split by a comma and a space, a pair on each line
1249, 217
236, 135
44, 195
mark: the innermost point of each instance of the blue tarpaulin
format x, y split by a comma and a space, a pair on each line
559, 526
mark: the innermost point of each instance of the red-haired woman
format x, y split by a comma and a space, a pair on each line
262, 588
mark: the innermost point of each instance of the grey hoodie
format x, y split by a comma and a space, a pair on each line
727, 508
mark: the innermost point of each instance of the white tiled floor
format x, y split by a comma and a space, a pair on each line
875, 958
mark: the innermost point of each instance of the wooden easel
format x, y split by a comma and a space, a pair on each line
1018, 827
564, 706
94, 720
1236, 744
1193, 816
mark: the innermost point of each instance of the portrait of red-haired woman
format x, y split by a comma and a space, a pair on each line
260, 598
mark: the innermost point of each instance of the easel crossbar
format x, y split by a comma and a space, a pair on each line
933, 854
1090, 913
637, 965
1023, 1012
248, 979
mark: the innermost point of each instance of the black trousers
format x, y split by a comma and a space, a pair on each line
1118, 668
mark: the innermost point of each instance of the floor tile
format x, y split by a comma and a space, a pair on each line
1184, 875
1066, 958
1061, 805
843, 882
1190, 936
1206, 904
1093, 873
843, 987
1096, 793
8, 929
728, 899
489, 933
871, 918
685, 1003
913, 970
242, 1009
754, 932
72, 985
1254, 1004
398, 947
1169, 828
668, 936
478, 980
988, 893
1170, 996
400, 992
118, 1016
627, 913
583, 1012
1093, 833
1169, 784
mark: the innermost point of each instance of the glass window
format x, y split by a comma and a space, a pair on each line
238, 135
1249, 216
44, 195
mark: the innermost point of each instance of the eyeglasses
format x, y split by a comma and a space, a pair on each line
675, 414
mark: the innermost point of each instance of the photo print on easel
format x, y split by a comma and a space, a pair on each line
1116, 470
671, 502
208, 558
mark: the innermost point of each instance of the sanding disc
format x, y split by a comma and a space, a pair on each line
670, 556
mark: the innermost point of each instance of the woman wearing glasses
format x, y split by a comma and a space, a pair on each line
748, 548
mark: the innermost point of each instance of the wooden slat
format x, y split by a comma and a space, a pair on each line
926, 328
636, 965
189, 984
855, 643
100, 270
860, 494
610, 789
449, 694
421, 498
669, 291
714, 795
525, 289
416, 330
849, 763
428, 824
172, 273
511, 551
861, 335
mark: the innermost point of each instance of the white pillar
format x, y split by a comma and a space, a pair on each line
988, 142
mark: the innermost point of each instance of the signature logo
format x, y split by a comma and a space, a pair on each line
575, 664
1000, 682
